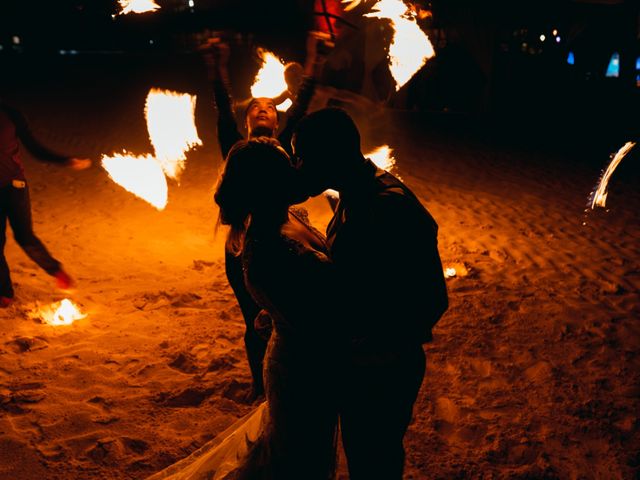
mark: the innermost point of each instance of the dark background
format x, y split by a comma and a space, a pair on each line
491, 74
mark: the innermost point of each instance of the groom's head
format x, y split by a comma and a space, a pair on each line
327, 145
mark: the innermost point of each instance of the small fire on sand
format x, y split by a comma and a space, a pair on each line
64, 312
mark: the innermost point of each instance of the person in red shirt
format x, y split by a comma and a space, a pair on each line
15, 204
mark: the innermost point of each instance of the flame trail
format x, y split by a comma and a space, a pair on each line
172, 132
137, 6
599, 195
410, 47
140, 175
269, 80
172, 129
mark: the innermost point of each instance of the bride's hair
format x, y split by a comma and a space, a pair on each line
257, 175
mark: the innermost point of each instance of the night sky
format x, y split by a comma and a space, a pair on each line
490, 56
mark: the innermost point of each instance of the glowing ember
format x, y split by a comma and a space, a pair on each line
410, 47
449, 272
599, 196
284, 106
140, 175
137, 6
172, 129
269, 81
61, 313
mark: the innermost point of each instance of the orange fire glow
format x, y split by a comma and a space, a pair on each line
284, 106
410, 47
137, 6
140, 175
172, 131
172, 128
383, 158
599, 196
269, 80
61, 313
351, 4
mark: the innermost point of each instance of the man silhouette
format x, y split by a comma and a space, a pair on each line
383, 243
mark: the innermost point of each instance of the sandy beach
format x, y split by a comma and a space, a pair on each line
533, 371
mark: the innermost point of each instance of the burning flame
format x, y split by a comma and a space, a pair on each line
410, 47
284, 106
137, 6
599, 196
269, 81
172, 131
351, 4
61, 313
382, 157
140, 175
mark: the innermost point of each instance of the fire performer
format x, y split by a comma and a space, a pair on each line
381, 239
15, 204
261, 118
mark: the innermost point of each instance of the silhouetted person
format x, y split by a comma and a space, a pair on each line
261, 119
383, 244
15, 204
289, 274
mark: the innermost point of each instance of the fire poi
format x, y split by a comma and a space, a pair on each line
269, 81
410, 47
172, 131
137, 6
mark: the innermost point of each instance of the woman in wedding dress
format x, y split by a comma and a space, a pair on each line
293, 434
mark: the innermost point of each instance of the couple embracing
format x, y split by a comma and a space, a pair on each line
350, 311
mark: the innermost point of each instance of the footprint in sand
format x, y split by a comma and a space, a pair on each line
481, 367
188, 299
27, 344
446, 415
200, 265
539, 372
222, 364
189, 397
184, 363
15, 396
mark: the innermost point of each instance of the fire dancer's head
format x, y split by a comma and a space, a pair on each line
327, 145
258, 180
261, 117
